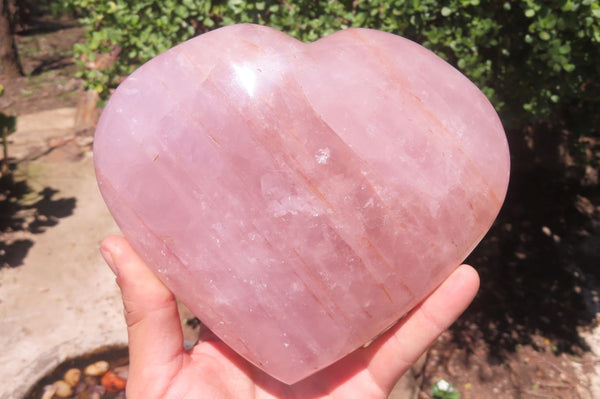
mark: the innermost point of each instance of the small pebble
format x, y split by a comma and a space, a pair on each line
49, 391
122, 371
81, 387
97, 391
72, 377
113, 383
91, 381
97, 369
63, 390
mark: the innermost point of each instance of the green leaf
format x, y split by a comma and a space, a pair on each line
564, 49
182, 11
208, 22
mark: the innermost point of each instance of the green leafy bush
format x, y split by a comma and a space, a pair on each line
537, 60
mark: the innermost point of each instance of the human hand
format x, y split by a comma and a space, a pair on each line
160, 367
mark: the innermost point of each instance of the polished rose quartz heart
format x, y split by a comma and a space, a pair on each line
300, 198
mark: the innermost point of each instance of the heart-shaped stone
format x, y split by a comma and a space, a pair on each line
300, 198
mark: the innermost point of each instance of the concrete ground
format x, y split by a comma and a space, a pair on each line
62, 301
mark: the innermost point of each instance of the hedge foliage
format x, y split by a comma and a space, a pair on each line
537, 60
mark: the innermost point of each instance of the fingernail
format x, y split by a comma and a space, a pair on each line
108, 259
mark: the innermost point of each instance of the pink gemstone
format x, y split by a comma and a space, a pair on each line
300, 198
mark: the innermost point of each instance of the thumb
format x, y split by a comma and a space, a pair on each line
153, 325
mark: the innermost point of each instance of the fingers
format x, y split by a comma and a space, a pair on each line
395, 351
153, 325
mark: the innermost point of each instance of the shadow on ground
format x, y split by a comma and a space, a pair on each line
538, 264
33, 17
35, 24
23, 212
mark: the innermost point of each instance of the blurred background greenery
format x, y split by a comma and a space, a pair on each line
536, 60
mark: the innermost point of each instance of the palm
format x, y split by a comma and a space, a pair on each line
160, 368
212, 370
